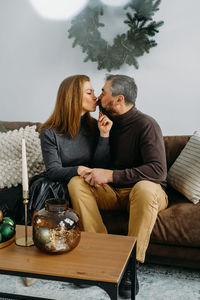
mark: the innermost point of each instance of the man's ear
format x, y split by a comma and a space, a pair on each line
120, 99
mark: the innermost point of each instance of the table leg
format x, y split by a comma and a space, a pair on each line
133, 272
111, 289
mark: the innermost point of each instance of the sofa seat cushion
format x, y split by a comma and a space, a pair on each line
179, 224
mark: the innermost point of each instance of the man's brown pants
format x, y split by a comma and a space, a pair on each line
143, 202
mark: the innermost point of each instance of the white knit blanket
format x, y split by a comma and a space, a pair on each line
11, 155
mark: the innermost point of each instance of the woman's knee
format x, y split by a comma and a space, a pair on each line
74, 182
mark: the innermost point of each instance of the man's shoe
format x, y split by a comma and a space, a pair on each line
125, 285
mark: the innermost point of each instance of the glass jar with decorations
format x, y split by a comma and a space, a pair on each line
55, 227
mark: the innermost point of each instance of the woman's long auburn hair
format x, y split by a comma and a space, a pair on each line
66, 116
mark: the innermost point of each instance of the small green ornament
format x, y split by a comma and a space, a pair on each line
8, 220
7, 231
1, 237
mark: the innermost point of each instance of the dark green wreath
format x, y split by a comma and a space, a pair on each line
127, 47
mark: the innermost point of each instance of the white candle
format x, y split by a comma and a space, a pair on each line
24, 167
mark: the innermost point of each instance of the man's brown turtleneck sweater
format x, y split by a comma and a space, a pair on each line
137, 150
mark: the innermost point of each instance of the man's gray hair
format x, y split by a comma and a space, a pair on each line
123, 85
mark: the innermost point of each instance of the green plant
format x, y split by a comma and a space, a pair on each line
127, 47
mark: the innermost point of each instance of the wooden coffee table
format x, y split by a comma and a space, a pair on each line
99, 259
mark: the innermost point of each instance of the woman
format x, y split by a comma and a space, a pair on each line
71, 140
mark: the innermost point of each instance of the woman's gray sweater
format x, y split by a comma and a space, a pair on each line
62, 155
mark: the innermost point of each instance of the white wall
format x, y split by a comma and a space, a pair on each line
36, 55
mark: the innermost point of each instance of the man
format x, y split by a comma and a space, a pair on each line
136, 177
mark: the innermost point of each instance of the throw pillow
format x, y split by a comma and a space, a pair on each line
184, 174
11, 155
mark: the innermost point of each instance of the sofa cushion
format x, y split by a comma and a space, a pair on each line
179, 224
11, 152
184, 174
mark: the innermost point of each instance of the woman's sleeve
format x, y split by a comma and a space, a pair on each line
52, 160
101, 157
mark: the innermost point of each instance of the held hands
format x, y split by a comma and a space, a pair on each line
104, 124
97, 177
82, 169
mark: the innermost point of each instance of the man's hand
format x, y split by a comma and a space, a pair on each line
97, 177
104, 124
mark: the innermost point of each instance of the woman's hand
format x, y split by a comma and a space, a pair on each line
97, 177
104, 124
81, 169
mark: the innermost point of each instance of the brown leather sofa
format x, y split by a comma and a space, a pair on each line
175, 239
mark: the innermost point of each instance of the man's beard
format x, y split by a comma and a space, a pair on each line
108, 110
